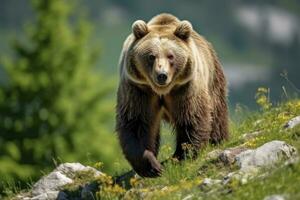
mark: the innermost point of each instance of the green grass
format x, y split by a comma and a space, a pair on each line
180, 180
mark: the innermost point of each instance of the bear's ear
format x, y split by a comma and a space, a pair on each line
184, 30
139, 29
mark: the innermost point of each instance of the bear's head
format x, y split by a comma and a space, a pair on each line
161, 54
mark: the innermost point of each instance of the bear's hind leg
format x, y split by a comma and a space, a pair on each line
192, 123
219, 130
189, 140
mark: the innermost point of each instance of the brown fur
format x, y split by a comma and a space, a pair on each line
194, 102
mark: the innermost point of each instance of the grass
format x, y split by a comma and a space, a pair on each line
182, 180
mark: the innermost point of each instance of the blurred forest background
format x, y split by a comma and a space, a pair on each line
58, 71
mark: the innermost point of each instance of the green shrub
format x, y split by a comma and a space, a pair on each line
54, 105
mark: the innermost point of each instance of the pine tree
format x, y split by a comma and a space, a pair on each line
52, 104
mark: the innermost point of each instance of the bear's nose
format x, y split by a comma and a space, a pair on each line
162, 78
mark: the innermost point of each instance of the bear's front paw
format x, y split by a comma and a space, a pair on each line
153, 168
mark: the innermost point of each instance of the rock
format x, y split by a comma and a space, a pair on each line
22, 197
53, 182
275, 197
241, 177
46, 196
70, 169
89, 190
210, 182
292, 161
292, 123
228, 177
213, 155
265, 155
210, 185
48, 187
249, 162
228, 155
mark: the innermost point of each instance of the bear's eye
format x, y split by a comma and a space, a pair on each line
170, 56
151, 57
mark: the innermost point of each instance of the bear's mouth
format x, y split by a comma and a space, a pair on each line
161, 85
161, 89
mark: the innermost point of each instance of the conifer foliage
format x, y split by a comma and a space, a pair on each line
52, 103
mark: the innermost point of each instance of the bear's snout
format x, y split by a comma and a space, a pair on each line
162, 77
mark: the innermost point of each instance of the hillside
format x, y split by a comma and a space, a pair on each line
259, 160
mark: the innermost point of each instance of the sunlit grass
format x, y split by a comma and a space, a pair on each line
182, 179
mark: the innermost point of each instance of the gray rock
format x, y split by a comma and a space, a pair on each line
62, 196
292, 161
213, 155
265, 155
210, 185
240, 176
292, 123
228, 177
69, 169
210, 182
46, 196
22, 197
250, 162
275, 197
89, 190
48, 187
228, 155
52, 182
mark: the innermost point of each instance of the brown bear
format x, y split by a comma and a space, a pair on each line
168, 71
